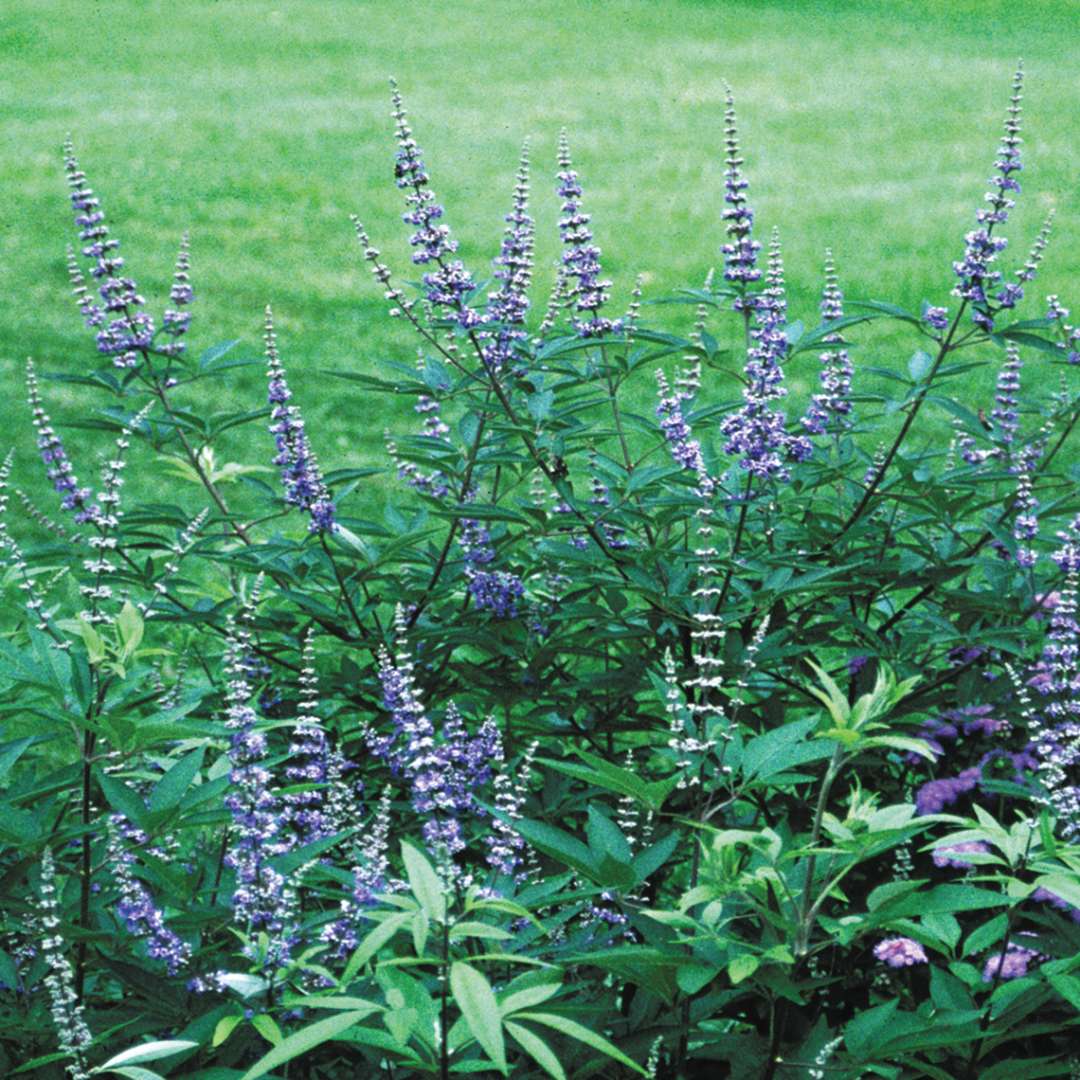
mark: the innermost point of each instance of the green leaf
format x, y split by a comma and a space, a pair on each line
153, 1051
371, 944
558, 844
132, 1072
871, 1028
169, 791
129, 625
575, 1030
424, 882
322, 1031
1068, 986
537, 1049
476, 1000
742, 967
122, 798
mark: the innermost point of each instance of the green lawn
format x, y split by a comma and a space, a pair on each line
870, 127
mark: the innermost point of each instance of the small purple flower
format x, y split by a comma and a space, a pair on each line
141, 916
57, 464
856, 663
935, 795
508, 304
1013, 963
936, 317
1045, 896
900, 952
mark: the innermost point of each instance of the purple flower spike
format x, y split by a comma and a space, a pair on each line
508, 305
141, 917
757, 432
300, 474
977, 275
57, 465
449, 284
496, 591
900, 952
581, 257
741, 250
129, 331
832, 405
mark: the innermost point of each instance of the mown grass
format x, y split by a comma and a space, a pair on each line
260, 126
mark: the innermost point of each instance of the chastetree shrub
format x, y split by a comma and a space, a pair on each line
688, 739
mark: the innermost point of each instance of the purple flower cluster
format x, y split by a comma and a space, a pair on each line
507, 305
371, 876
581, 257
900, 952
259, 819
833, 404
497, 591
600, 497
300, 474
123, 332
1045, 896
326, 806
977, 276
57, 464
1013, 963
757, 432
676, 429
135, 906
937, 318
449, 285
741, 250
442, 770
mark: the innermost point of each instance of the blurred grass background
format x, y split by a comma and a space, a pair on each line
867, 126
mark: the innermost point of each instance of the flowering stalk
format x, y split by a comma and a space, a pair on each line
65, 1001
833, 404
581, 257
757, 432
300, 473
135, 906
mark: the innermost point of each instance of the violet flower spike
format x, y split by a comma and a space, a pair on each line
142, 918
300, 473
57, 464
581, 257
259, 820
129, 331
449, 285
978, 278
741, 250
757, 432
507, 305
